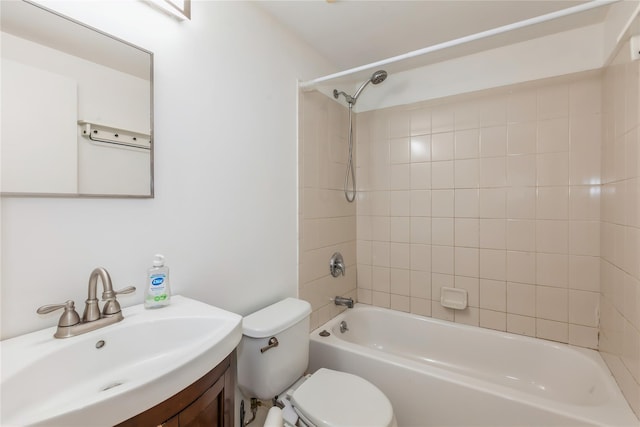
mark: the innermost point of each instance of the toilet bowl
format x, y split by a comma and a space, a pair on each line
273, 356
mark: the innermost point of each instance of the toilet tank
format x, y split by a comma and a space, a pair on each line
267, 373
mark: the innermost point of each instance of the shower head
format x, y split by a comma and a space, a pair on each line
376, 78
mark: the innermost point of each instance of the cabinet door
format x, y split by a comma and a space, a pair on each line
207, 410
173, 422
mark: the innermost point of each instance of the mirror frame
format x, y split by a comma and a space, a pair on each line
151, 194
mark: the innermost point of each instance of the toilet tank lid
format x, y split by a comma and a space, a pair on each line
275, 318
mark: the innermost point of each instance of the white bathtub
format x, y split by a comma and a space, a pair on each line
438, 373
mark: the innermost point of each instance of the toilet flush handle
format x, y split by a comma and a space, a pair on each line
273, 342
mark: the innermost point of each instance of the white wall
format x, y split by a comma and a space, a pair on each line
225, 209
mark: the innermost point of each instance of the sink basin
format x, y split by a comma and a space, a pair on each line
106, 376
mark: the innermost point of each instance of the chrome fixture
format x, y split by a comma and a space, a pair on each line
70, 323
336, 265
343, 327
273, 342
347, 302
376, 78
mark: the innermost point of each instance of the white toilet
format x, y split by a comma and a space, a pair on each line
273, 356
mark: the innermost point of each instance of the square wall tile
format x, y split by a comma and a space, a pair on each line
467, 232
399, 150
521, 267
584, 273
553, 135
493, 295
493, 141
442, 175
493, 320
553, 169
552, 303
467, 144
442, 146
552, 270
441, 259
493, 264
421, 257
400, 203
420, 176
420, 284
442, 231
552, 236
552, 330
420, 121
492, 233
443, 202
583, 308
522, 325
400, 281
521, 235
493, 172
521, 170
420, 147
467, 262
521, 203
467, 173
421, 230
493, 203
521, 138
521, 299
421, 202
467, 203
442, 119
472, 286
553, 203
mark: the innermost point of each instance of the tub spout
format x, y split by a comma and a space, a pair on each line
347, 302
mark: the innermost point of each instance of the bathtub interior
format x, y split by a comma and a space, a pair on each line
443, 373
542, 368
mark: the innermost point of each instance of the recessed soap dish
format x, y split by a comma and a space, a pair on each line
453, 298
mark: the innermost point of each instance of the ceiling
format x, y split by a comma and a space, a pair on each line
353, 33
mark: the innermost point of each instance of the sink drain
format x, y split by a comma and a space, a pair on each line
112, 385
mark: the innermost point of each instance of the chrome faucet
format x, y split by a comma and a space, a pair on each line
70, 323
348, 302
336, 265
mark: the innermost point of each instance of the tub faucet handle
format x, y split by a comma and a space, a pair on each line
336, 265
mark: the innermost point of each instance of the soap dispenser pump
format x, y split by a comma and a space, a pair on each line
157, 292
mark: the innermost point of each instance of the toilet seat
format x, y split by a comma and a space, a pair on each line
333, 399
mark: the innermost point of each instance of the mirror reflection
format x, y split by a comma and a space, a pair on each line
76, 108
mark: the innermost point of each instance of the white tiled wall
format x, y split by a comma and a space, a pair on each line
620, 228
497, 193
327, 222
528, 197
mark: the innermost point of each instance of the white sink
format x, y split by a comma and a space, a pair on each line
146, 358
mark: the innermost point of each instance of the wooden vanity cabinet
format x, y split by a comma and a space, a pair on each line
207, 402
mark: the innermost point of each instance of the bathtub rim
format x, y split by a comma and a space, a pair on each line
615, 405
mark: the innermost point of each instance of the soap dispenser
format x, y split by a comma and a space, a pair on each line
157, 292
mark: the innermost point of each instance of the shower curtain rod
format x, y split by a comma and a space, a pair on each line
459, 41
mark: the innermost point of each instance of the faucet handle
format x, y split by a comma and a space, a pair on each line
112, 306
69, 318
112, 294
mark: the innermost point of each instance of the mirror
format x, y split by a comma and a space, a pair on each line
77, 108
